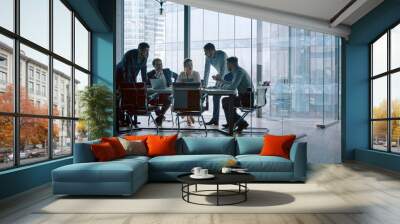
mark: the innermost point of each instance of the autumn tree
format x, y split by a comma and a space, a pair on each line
6, 122
33, 131
380, 127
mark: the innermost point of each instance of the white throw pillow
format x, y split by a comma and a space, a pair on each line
134, 147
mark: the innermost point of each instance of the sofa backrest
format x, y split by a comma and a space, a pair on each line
206, 145
253, 145
83, 152
249, 145
192, 146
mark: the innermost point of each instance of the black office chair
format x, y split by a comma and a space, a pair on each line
135, 102
188, 100
248, 105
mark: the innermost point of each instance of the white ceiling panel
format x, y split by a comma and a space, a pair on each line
318, 15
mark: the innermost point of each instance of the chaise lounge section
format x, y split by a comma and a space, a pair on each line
125, 176
88, 177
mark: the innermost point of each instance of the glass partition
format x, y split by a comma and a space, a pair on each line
297, 70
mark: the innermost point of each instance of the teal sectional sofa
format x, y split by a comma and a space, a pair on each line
125, 176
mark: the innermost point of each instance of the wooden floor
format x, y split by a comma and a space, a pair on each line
377, 188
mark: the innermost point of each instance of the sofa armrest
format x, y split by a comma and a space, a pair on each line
298, 155
83, 152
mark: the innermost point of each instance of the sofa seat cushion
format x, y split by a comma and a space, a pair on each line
133, 157
185, 163
257, 163
112, 171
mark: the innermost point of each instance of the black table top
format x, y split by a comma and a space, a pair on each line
220, 178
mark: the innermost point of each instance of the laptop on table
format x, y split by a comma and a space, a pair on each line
158, 84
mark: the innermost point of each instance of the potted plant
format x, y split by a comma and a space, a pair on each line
96, 104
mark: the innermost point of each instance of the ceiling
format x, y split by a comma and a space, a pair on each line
318, 15
319, 9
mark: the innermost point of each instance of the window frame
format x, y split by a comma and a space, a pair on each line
388, 74
16, 115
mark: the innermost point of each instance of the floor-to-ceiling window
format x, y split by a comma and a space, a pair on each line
303, 67
164, 33
44, 63
385, 92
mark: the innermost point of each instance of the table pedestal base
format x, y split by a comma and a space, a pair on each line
219, 194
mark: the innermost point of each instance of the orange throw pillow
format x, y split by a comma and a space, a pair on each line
161, 145
137, 137
116, 145
277, 145
103, 152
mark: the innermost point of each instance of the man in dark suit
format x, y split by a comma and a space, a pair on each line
127, 70
160, 72
166, 75
133, 62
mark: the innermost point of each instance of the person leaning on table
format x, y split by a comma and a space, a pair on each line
189, 75
217, 59
242, 82
127, 70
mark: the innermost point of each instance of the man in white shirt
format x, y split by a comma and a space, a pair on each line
217, 59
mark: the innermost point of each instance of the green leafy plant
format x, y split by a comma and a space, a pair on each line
96, 104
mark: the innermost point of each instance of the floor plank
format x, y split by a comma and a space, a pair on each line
377, 189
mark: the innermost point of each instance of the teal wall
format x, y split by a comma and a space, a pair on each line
103, 58
103, 50
103, 62
24, 178
356, 119
99, 15
381, 159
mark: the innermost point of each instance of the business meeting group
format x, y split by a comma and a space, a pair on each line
230, 76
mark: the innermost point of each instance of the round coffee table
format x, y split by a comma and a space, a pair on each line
238, 179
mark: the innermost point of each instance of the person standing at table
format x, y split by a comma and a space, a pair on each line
217, 59
242, 82
133, 62
166, 75
127, 70
189, 75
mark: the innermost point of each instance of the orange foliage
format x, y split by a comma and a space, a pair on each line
380, 127
33, 130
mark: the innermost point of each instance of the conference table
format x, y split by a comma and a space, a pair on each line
216, 92
210, 92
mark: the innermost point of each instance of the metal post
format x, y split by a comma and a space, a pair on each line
16, 84
186, 31
73, 82
217, 194
50, 81
259, 58
245, 194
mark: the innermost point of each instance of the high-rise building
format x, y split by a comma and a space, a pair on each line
164, 33
34, 82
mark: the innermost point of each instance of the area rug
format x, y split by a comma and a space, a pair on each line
167, 198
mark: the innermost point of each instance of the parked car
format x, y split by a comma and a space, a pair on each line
22, 155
